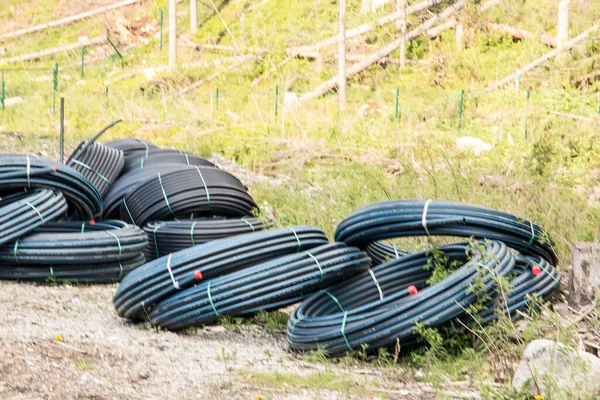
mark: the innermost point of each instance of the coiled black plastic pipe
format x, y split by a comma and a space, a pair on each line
99, 164
143, 288
166, 237
18, 172
83, 246
276, 282
185, 193
21, 213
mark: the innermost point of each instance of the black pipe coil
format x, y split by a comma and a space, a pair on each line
128, 182
101, 272
18, 172
21, 213
201, 191
166, 237
403, 218
142, 159
99, 164
79, 244
279, 281
142, 289
130, 146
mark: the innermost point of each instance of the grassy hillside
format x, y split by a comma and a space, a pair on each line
545, 164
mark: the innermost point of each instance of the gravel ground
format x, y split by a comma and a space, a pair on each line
102, 356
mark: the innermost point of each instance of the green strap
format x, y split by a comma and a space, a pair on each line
318, 265
118, 241
165, 194
142, 162
211, 301
335, 300
297, 239
156, 241
15, 250
120, 272
83, 227
51, 271
192, 232
186, 159
145, 144
248, 223
343, 329
205, 187
128, 212
36, 210
532, 233
93, 170
294, 328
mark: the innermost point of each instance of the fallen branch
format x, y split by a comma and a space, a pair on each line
521, 34
435, 31
67, 20
52, 51
568, 115
587, 77
568, 45
361, 30
384, 51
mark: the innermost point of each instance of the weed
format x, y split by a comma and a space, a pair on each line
274, 322
226, 356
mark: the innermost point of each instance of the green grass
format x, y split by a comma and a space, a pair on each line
314, 382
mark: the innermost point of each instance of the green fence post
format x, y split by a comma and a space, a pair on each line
54, 86
276, 98
117, 51
217, 99
161, 28
3, 94
526, 112
397, 102
460, 108
107, 92
82, 62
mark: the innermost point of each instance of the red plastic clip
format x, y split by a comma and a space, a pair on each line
198, 275
412, 290
536, 270
92, 222
54, 169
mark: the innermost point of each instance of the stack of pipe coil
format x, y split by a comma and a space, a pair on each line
383, 305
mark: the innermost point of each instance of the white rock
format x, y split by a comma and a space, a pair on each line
468, 143
150, 73
290, 101
548, 367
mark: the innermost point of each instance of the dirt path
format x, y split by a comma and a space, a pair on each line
103, 356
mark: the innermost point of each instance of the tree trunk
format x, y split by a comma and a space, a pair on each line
194, 16
384, 51
172, 34
365, 28
365, 6
562, 30
584, 276
342, 55
521, 34
571, 43
401, 7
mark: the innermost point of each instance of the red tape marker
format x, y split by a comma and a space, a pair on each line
54, 169
92, 222
412, 289
536, 270
198, 275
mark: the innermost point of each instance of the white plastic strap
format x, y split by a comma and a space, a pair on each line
28, 171
297, 238
118, 241
175, 284
51, 271
532, 233
424, 217
395, 252
36, 210
318, 264
376, 283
